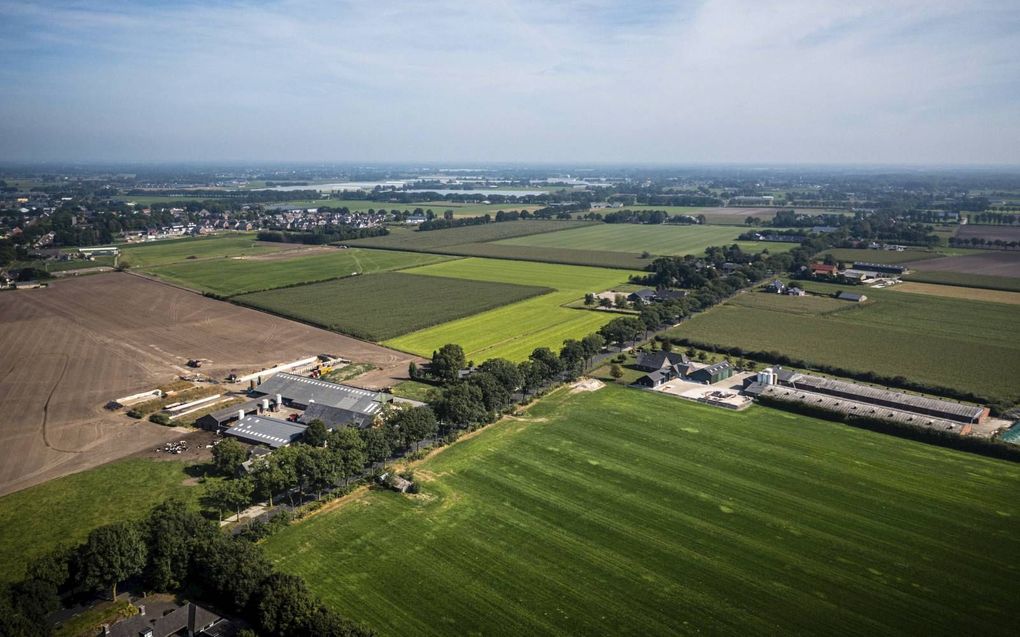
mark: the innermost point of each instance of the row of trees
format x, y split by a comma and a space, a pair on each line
644, 217
327, 234
172, 549
982, 242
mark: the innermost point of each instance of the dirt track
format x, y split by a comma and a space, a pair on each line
70, 348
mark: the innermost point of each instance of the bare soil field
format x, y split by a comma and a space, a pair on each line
988, 232
70, 348
1005, 264
956, 292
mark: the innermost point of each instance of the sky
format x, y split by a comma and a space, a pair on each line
821, 82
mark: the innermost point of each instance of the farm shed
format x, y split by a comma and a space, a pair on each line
824, 269
851, 296
884, 268
654, 361
300, 392
221, 418
934, 407
334, 417
266, 431
712, 373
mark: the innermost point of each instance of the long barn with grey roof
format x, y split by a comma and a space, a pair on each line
266, 431
934, 407
300, 392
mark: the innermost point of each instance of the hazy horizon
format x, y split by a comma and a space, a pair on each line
872, 84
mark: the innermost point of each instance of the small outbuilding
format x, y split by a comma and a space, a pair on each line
712, 373
851, 296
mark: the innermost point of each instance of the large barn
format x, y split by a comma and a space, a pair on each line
301, 392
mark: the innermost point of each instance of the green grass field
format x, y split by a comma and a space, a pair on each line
513, 331
656, 239
62, 512
564, 256
846, 255
962, 344
144, 255
228, 277
388, 304
407, 239
632, 513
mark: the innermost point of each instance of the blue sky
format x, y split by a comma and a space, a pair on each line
511, 80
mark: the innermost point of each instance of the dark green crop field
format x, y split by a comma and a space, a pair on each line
973, 346
406, 239
227, 277
632, 513
387, 304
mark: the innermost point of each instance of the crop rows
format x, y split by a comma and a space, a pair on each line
387, 304
632, 512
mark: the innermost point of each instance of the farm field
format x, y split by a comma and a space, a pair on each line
656, 239
513, 331
143, 255
565, 256
432, 240
964, 279
967, 345
637, 513
989, 232
956, 292
239, 275
63, 511
388, 304
985, 263
890, 257
70, 348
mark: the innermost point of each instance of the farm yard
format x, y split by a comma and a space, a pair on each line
968, 345
648, 515
656, 239
381, 306
513, 331
72, 347
239, 275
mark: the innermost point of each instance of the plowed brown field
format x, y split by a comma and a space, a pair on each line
66, 350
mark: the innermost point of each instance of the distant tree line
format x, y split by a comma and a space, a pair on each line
332, 233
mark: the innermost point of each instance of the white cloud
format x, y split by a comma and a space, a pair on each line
518, 80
